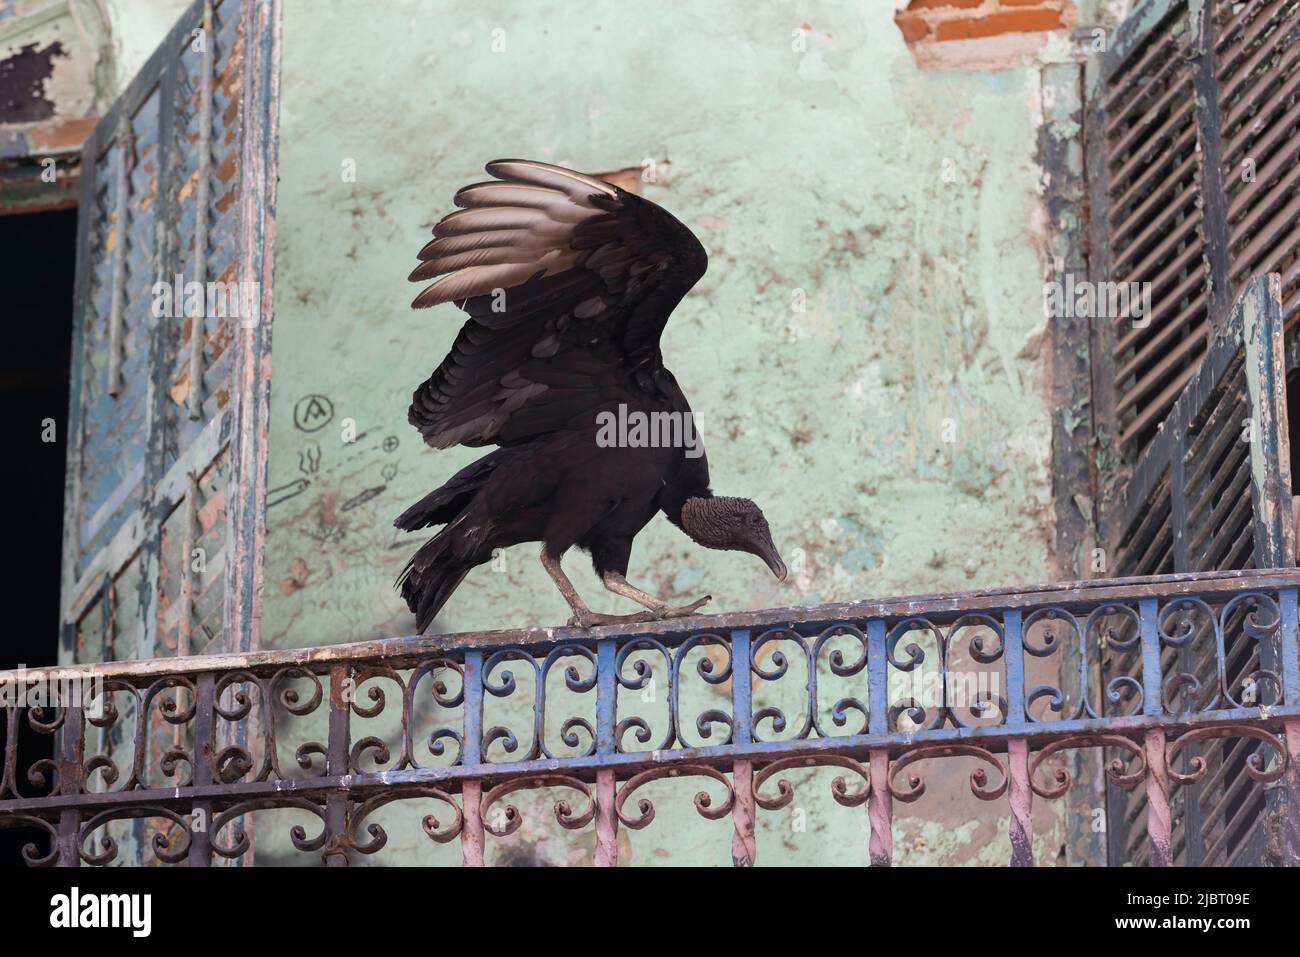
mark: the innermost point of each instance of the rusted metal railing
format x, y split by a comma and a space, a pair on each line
194, 746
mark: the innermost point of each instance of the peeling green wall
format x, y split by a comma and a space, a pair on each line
138, 28
896, 431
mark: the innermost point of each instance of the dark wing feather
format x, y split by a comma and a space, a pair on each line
568, 282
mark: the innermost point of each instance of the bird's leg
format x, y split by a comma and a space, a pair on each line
619, 586
583, 616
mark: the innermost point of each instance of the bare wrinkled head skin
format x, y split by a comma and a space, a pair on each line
733, 524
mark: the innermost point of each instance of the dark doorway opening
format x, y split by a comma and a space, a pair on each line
39, 253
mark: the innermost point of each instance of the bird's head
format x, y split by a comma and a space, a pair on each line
734, 524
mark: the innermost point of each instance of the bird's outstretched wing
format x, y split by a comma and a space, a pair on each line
568, 282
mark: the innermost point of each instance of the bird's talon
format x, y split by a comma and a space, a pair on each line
595, 619
683, 611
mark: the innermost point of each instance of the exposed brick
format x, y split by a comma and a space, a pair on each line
938, 4
914, 28
1022, 3
1006, 21
61, 135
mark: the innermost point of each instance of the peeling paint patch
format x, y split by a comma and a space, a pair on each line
23, 76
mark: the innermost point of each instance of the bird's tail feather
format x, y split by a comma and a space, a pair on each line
429, 578
443, 504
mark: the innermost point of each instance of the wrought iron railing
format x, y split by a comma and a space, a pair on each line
188, 748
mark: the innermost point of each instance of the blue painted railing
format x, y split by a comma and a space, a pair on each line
184, 750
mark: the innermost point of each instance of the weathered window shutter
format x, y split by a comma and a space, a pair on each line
1257, 115
1146, 222
1218, 470
1212, 491
1193, 159
1193, 166
168, 413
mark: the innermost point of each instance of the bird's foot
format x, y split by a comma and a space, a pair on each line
682, 611
590, 619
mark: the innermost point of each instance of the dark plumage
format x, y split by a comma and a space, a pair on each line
568, 282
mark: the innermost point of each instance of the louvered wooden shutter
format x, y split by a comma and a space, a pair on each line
1146, 220
1257, 72
1192, 148
1211, 491
168, 413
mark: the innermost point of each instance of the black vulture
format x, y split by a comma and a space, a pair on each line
568, 282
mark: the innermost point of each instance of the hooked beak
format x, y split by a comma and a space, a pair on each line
767, 551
